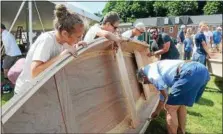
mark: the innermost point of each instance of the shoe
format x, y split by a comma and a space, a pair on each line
6, 88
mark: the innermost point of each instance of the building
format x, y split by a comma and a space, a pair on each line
171, 25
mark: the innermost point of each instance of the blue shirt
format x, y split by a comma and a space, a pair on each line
188, 45
161, 73
181, 36
217, 37
199, 38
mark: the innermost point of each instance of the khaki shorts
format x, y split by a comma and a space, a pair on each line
9, 61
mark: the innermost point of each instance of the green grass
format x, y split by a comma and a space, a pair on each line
5, 97
203, 117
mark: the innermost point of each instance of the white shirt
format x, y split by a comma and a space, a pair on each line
45, 48
92, 33
208, 36
11, 48
128, 34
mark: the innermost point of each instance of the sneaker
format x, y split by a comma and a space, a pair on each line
6, 88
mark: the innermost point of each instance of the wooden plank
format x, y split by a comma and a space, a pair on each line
148, 91
66, 102
126, 86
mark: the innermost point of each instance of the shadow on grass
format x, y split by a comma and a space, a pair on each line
194, 113
204, 101
219, 82
158, 125
213, 90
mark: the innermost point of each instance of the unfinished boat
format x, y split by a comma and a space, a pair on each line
215, 64
95, 92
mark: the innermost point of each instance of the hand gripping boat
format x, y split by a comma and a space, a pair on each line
95, 92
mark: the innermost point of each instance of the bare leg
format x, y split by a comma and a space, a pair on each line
171, 118
6, 73
182, 113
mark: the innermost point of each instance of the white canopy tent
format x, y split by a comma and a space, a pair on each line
35, 15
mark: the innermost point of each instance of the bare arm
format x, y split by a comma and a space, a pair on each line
38, 66
108, 35
204, 45
161, 104
165, 49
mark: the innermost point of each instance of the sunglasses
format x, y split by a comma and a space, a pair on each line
114, 27
140, 31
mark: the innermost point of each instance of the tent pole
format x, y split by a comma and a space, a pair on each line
17, 15
30, 25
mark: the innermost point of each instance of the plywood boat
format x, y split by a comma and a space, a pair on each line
215, 64
96, 92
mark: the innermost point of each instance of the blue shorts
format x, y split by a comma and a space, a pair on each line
201, 58
189, 85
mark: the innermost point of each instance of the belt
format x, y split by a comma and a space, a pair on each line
180, 66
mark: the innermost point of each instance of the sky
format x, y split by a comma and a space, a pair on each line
92, 7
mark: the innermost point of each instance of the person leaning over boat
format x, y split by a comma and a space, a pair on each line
162, 45
135, 32
202, 51
109, 25
187, 81
50, 46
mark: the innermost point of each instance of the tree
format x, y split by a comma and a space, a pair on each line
109, 7
130, 10
160, 8
176, 8
213, 7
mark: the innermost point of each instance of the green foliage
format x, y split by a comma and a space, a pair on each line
176, 8
160, 8
213, 7
130, 10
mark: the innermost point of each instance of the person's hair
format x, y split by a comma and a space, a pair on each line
3, 26
140, 75
153, 28
111, 17
188, 32
202, 23
65, 20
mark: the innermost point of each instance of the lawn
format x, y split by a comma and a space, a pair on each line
203, 117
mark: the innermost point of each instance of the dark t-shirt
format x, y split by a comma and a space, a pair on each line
199, 37
181, 36
164, 38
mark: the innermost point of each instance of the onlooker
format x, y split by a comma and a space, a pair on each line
209, 37
109, 25
162, 45
12, 51
202, 51
188, 44
135, 32
180, 39
49, 46
217, 38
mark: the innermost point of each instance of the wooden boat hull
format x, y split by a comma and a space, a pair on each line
94, 93
215, 64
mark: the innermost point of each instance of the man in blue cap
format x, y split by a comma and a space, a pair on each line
187, 81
